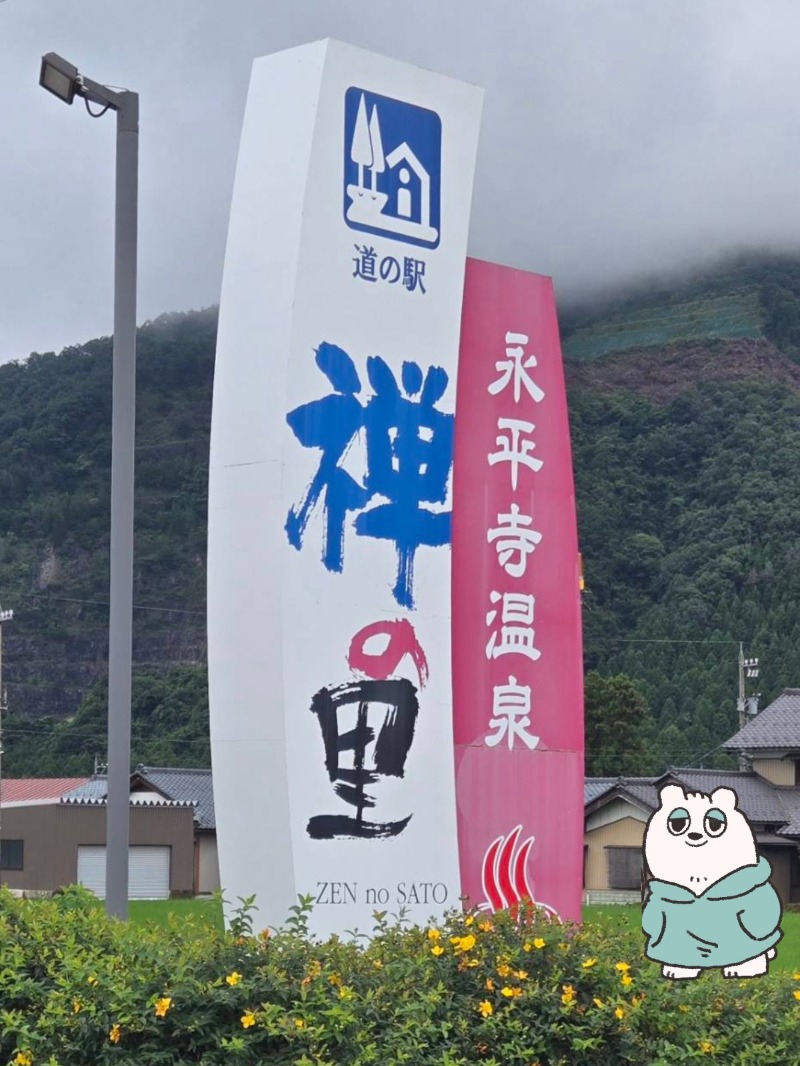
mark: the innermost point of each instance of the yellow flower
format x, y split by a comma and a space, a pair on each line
568, 994
299, 1023
264, 935
598, 1002
485, 927
247, 1019
626, 979
563, 947
489, 984
377, 963
520, 974
619, 1013
92, 981
707, 1047
538, 943
233, 978
485, 1008
623, 967
115, 1033
335, 979
470, 918
504, 970
510, 993
437, 949
162, 1006
434, 934
463, 943
76, 1006
23, 1058
346, 993
683, 1008
587, 964
796, 993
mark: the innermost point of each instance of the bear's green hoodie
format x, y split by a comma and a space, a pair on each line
733, 920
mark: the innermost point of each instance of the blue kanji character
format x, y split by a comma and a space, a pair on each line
331, 424
413, 273
390, 269
365, 263
409, 455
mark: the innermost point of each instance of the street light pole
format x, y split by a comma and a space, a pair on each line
123, 420
63, 80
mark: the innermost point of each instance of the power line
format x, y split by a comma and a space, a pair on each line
657, 640
99, 736
105, 603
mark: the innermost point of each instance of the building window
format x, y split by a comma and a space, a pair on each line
624, 867
11, 854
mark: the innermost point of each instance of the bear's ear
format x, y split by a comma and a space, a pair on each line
725, 797
669, 795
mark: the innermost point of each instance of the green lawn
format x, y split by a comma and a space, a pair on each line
160, 910
627, 920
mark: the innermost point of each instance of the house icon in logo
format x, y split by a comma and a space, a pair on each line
392, 168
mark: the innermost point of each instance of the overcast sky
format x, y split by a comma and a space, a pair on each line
619, 136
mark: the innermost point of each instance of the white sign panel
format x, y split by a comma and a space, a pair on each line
330, 488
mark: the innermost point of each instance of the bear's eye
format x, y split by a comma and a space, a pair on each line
715, 822
678, 821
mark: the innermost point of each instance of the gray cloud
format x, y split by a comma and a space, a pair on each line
619, 136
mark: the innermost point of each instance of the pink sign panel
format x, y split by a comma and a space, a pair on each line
517, 662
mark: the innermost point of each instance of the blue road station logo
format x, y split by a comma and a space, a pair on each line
392, 168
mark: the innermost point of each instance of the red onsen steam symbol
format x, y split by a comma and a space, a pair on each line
505, 873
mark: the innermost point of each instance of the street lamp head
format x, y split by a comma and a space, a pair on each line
59, 77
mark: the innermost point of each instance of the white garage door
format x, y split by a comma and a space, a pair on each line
148, 871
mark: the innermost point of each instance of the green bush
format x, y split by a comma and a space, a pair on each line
79, 988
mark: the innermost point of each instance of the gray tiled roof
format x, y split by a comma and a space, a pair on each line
176, 783
641, 788
757, 797
777, 726
93, 789
760, 800
185, 784
596, 786
789, 799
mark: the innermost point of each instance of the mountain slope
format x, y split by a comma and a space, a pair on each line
687, 460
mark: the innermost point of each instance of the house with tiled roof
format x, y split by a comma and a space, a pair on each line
52, 833
167, 785
617, 809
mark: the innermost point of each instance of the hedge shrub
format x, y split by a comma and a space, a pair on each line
79, 988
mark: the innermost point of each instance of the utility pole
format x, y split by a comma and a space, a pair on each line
5, 616
744, 705
740, 703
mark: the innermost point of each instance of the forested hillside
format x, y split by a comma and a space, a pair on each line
55, 453
685, 409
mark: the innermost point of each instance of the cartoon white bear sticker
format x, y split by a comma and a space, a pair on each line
710, 902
